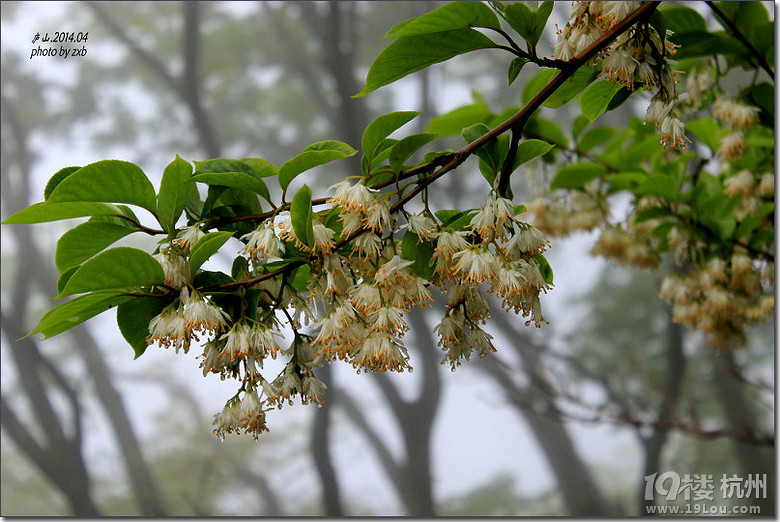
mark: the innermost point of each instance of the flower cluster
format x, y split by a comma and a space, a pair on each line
736, 117
637, 57
722, 298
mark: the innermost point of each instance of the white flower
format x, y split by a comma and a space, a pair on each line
201, 314
392, 271
262, 243
368, 245
673, 133
741, 183
189, 236
380, 352
478, 265
733, 114
423, 226
323, 239
176, 269
732, 146
238, 342
312, 389
169, 328
377, 216
388, 319
530, 240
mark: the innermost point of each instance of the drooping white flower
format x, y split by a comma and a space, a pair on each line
262, 243
189, 236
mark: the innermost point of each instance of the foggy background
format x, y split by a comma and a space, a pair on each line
566, 419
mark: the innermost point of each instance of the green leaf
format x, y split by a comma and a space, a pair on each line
548, 130
455, 15
45, 212
206, 247
683, 19
75, 311
133, 318
174, 192
260, 167
652, 213
595, 137
626, 180
419, 252
545, 269
537, 83
456, 120
238, 180
381, 128
313, 156
65, 277
84, 241
530, 149
56, 179
661, 185
521, 18
572, 86
577, 175
540, 21
514, 68
492, 154
413, 53
109, 181
703, 43
119, 267
408, 146
708, 131
301, 216
596, 98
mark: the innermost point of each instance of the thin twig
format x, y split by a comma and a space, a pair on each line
742, 38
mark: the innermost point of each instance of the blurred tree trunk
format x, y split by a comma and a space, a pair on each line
16, 198
740, 412
534, 402
653, 445
411, 476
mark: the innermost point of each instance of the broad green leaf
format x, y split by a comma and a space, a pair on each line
537, 83
545, 269
413, 53
521, 18
261, 168
119, 267
492, 154
46, 211
595, 137
708, 131
174, 192
206, 247
652, 213
75, 311
408, 146
133, 318
703, 43
56, 179
515, 67
312, 157
109, 181
596, 98
238, 180
661, 185
541, 15
548, 130
626, 180
572, 86
455, 15
65, 277
301, 216
85, 240
453, 122
334, 145
530, 149
412, 249
381, 128
577, 175
683, 19
238, 174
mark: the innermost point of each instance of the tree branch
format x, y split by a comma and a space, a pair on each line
728, 24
